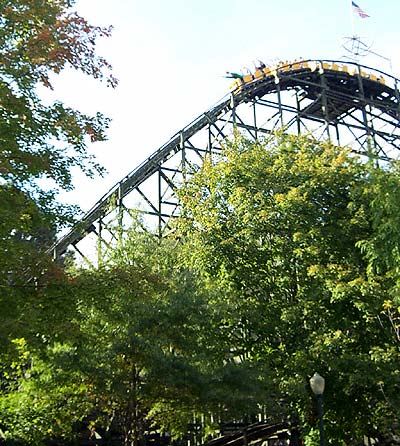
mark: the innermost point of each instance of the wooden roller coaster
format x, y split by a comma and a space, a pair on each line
349, 104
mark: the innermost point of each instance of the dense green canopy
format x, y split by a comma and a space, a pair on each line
302, 236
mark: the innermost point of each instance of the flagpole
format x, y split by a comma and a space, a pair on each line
352, 19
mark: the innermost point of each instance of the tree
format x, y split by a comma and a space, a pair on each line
40, 145
135, 348
278, 224
155, 362
38, 141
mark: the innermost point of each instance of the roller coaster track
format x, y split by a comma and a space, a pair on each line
257, 434
350, 104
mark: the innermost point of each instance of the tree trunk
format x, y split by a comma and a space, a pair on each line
133, 421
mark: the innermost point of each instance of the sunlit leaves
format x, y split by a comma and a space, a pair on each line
278, 225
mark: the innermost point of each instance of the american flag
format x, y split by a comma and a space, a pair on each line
359, 11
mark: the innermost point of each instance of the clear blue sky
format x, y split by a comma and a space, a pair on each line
171, 55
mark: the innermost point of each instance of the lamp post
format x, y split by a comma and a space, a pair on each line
317, 383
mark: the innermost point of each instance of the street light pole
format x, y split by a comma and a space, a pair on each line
317, 383
320, 405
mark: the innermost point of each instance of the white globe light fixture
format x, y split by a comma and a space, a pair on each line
317, 383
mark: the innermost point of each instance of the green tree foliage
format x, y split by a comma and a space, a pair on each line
40, 144
45, 396
279, 226
141, 318
138, 348
153, 344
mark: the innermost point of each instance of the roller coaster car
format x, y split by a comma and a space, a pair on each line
235, 85
258, 75
352, 71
